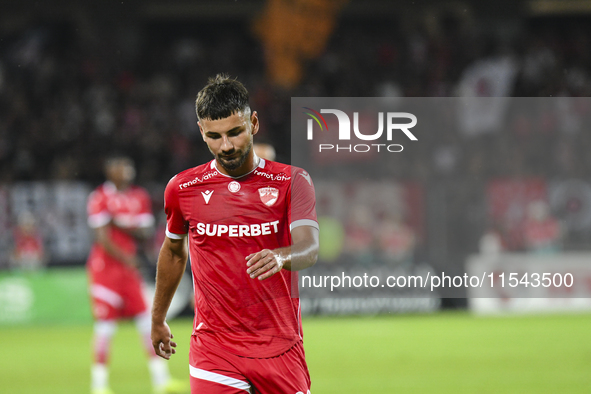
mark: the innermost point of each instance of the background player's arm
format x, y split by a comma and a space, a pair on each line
103, 239
171, 266
303, 253
139, 233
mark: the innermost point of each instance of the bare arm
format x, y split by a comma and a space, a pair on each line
171, 266
139, 233
302, 254
103, 239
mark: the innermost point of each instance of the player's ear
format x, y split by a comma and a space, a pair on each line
254, 120
201, 130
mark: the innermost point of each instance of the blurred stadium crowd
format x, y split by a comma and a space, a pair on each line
66, 102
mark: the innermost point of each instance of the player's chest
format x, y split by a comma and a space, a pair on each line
123, 203
227, 199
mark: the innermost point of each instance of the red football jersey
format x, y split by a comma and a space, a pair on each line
539, 234
227, 219
127, 209
27, 245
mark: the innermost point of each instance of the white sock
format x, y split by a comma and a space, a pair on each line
103, 332
158, 371
99, 377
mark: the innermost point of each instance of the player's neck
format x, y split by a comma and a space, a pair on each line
251, 162
120, 186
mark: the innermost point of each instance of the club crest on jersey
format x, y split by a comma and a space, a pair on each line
233, 186
268, 195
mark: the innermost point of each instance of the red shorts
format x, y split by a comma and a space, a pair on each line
116, 290
221, 372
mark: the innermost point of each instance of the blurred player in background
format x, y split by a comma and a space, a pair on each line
28, 253
121, 215
542, 232
249, 222
264, 151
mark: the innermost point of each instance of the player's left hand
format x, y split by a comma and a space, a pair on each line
264, 264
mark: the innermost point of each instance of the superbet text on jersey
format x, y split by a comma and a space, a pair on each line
227, 219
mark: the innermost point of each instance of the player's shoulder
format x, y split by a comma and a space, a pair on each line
277, 168
293, 171
192, 176
272, 171
137, 190
282, 172
99, 192
298, 170
98, 198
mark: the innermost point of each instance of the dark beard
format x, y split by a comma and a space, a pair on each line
234, 164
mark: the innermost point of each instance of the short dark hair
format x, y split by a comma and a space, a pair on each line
220, 98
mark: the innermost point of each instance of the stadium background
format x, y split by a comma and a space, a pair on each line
78, 81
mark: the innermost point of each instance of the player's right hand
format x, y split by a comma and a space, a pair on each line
161, 340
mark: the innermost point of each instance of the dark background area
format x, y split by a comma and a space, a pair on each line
81, 80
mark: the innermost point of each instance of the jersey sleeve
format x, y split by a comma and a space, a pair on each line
98, 212
145, 217
176, 226
302, 210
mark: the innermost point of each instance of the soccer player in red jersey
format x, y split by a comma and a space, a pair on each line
250, 224
120, 213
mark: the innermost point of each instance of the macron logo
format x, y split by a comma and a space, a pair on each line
307, 177
207, 195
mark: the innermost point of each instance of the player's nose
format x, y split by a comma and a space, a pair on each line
226, 145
